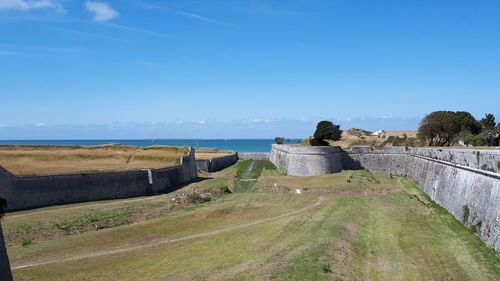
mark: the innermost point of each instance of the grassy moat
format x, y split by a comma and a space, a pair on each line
251, 222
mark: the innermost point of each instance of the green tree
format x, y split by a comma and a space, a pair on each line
439, 127
468, 122
279, 140
326, 130
442, 127
488, 122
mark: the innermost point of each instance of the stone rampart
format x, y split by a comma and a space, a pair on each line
468, 189
26, 192
216, 164
254, 155
483, 159
298, 160
472, 196
391, 159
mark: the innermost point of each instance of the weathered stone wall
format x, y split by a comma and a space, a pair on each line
450, 178
298, 160
468, 189
471, 195
484, 159
26, 192
5, 273
254, 155
216, 164
391, 159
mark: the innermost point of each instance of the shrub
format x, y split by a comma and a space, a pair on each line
279, 140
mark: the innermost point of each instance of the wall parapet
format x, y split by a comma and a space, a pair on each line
483, 159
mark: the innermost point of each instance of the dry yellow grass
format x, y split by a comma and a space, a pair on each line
40, 160
352, 137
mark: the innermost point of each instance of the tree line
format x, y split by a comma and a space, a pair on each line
447, 128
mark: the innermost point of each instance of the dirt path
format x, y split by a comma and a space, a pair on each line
168, 241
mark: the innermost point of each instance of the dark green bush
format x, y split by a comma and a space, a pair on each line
326, 130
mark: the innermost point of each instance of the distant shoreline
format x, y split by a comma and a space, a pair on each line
240, 145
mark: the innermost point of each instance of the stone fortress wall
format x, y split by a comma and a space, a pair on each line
466, 182
26, 192
254, 155
299, 160
216, 164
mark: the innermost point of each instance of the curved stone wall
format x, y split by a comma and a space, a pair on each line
307, 160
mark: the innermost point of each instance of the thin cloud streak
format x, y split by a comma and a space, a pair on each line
201, 18
145, 31
85, 33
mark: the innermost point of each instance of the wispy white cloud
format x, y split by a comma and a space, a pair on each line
84, 33
102, 11
23, 5
201, 18
140, 30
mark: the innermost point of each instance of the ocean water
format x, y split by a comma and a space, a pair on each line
240, 145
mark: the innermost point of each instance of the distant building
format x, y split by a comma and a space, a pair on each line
384, 133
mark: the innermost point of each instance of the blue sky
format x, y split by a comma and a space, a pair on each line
241, 68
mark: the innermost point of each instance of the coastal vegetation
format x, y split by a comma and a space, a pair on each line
352, 137
351, 225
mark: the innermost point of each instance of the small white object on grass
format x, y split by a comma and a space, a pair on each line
298, 191
275, 185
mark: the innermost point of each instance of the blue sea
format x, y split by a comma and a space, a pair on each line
240, 145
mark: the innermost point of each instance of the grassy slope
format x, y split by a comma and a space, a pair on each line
32, 226
390, 237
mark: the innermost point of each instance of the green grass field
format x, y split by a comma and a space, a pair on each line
261, 231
